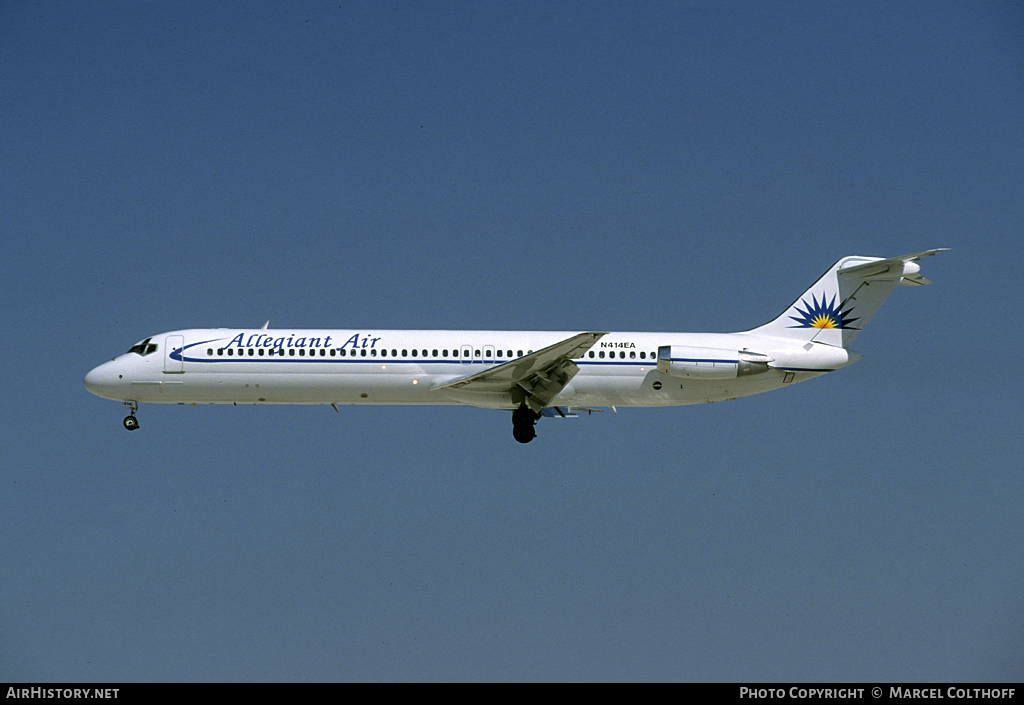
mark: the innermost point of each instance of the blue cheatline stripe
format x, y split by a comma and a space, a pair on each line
177, 355
395, 361
439, 361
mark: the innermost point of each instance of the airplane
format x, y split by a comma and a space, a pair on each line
531, 374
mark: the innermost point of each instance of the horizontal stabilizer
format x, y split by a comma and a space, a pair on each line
902, 269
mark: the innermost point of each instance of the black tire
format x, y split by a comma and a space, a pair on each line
524, 416
131, 423
523, 433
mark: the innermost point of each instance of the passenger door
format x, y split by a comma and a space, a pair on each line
173, 364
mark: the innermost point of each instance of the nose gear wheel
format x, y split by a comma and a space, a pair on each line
130, 422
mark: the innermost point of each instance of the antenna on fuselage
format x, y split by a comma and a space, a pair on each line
265, 325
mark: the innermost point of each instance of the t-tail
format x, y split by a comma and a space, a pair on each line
837, 307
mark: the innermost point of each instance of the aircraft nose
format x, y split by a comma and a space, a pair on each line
103, 381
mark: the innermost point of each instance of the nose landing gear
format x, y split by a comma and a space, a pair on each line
130, 422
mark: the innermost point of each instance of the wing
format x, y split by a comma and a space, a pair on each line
539, 376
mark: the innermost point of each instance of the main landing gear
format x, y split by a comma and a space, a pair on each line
130, 422
523, 420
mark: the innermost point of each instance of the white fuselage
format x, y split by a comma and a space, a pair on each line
533, 374
366, 366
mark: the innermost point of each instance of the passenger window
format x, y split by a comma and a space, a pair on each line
435, 353
373, 352
362, 353
414, 352
478, 353
601, 354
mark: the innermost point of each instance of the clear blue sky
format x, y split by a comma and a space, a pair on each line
512, 165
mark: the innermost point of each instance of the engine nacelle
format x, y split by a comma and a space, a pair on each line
709, 363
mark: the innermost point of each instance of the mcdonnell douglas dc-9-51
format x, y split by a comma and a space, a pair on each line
531, 374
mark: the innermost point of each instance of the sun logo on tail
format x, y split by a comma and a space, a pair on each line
822, 314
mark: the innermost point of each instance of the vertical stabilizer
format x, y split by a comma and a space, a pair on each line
837, 307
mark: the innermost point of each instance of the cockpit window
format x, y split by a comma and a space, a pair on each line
144, 348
